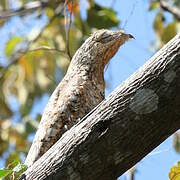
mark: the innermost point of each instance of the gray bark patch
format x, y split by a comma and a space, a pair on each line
144, 101
169, 76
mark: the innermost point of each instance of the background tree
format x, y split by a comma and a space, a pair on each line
38, 40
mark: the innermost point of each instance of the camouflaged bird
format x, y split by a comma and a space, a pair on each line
79, 92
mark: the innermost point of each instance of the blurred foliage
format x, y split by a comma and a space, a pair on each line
97, 12
175, 172
13, 171
165, 24
34, 62
176, 141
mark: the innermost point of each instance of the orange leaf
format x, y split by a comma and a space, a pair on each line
73, 6
28, 69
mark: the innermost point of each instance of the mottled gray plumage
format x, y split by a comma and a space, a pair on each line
79, 92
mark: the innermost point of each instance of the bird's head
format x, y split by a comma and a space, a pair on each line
107, 43
99, 48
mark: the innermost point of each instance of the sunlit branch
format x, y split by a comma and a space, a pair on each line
27, 8
171, 9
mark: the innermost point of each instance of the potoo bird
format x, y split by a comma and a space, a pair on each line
81, 89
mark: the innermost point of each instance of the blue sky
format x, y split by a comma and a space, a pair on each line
135, 19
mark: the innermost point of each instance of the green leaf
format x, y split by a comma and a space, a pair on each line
174, 173
17, 170
158, 24
13, 164
13, 160
31, 126
177, 3
11, 44
101, 17
49, 12
20, 168
4, 4
154, 5
176, 142
5, 172
5, 111
169, 32
2, 21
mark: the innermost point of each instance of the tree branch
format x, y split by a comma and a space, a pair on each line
171, 9
67, 25
47, 48
139, 115
28, 8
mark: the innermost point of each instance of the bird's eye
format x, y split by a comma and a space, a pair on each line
104, 37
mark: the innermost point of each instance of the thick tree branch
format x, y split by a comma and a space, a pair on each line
171, 9
139, 115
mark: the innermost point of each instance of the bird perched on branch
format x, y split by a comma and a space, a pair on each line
79, 92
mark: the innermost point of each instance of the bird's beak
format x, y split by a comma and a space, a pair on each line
131, 36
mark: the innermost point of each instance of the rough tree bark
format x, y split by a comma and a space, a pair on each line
139, 115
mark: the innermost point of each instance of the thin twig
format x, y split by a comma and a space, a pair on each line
13, 175
22, 53
171, 9
131, 13
67, 30
47, 49
27, 8
42, 30
113, 2
132, 172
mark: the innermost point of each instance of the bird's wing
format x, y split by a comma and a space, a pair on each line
61, 112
